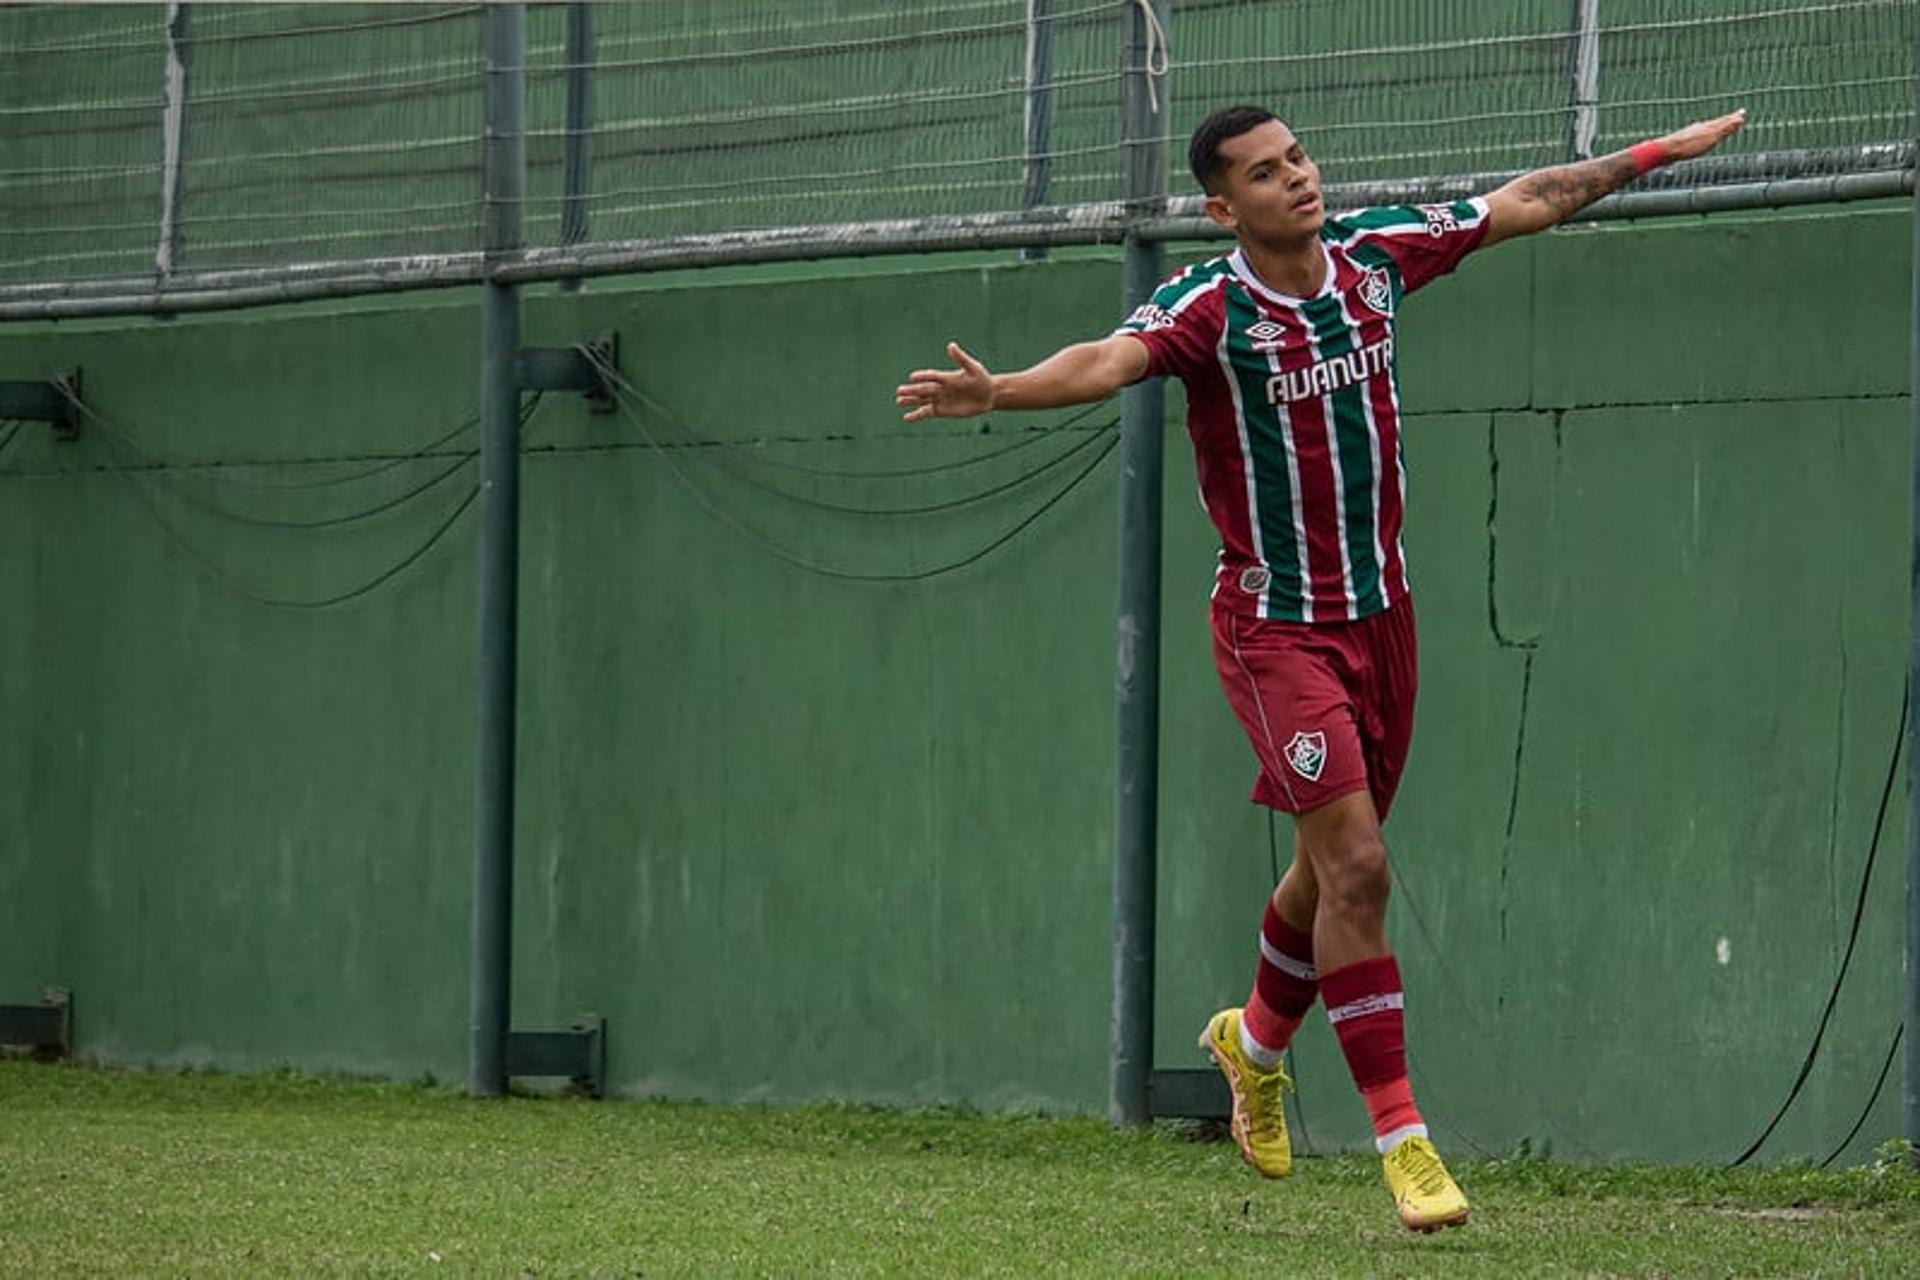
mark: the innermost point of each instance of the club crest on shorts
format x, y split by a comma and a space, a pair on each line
1307, 753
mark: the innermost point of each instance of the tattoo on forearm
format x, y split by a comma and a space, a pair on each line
1569, 187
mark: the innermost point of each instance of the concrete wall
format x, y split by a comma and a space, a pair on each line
800, 836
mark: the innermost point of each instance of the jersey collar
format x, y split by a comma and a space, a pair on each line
1243, 270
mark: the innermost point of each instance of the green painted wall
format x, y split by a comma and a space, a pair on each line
798, 836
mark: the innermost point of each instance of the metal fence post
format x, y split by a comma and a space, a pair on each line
173, 127
1039, 110
505, 184
1584, 66
1911, 1002
1137, 666
578, 163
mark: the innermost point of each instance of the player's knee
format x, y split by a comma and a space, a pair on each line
1354, 880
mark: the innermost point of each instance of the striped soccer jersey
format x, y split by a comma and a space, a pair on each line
1294, 409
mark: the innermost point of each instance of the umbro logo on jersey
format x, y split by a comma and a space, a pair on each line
1376, 290
1265, 335
1307, 753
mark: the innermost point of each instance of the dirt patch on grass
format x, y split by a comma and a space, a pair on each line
1785, 1213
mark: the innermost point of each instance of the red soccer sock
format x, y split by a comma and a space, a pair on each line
1367, 1009
1284, 986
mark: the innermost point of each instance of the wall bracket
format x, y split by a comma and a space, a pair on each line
580, 1053
46, 1028
1196, 1094
571, 369
55, 401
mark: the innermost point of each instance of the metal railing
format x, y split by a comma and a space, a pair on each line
248, 213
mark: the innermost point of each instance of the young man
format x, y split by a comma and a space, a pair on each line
1286, 349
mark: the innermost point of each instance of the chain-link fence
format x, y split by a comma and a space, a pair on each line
185, 150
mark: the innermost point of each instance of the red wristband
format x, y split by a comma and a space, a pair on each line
1647, 155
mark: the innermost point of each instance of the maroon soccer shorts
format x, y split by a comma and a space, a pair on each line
1328, 706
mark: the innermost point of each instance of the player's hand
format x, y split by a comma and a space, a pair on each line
946, 393
1702, 136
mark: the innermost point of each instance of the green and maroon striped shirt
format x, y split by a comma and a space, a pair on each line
1294, 409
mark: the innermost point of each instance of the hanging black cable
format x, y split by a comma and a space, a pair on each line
187, 494
1007, 486
1029, 437
1885, 1067
1032, 437
622, 386
827, 571
320, 522
1846, 959
386, 575
218, 575
223, 474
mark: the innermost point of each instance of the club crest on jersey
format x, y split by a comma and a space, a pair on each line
1307, 753
1376, 290
1265, 335
1254, 580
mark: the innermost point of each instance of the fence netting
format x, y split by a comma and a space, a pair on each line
153, 143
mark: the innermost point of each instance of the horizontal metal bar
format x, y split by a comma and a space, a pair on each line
1784, 193
1065, 225
418, 270
1190, 1094
1868, 175
268, 286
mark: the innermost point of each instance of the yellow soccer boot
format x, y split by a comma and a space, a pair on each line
1423, 1191
1259, 1116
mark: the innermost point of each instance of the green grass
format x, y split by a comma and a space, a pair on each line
104, 1173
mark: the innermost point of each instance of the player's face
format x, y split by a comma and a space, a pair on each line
1271, 188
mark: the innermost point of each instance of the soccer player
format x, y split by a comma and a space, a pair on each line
1286, 349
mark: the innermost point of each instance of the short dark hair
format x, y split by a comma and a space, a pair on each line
1203, 149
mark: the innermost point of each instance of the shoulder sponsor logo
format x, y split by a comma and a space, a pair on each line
1254, 580
1149, 316
1376, 290
1307, 753
1440, 219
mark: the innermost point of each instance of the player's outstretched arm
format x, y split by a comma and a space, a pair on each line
1535, 201
1079, 374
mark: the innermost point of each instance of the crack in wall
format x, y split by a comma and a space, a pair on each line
1513, 813
1527, 648
1500, 637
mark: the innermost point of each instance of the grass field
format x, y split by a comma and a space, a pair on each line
104, 1173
